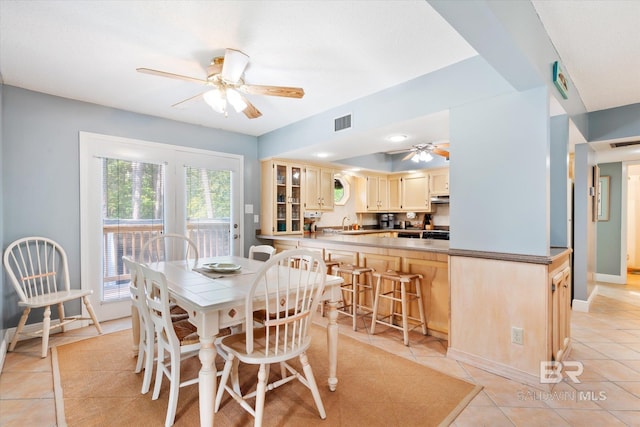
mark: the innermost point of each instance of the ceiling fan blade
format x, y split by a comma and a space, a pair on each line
170, 75
408, 156
188, 99
440, 152
233, 66
287, 92
251, 111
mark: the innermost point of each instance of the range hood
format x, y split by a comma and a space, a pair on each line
439, 199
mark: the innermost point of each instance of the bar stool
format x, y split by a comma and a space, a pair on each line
401, 297
353, 286
329, 264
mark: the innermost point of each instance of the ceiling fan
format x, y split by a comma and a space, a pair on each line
226, 85
424, 152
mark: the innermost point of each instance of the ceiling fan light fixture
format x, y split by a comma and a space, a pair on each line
234, 65
236, 100
425, 157
216, 99
415, 158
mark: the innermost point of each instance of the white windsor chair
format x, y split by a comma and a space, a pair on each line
39, 271
178, 340
293, 297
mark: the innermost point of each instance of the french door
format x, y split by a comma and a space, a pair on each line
134, 190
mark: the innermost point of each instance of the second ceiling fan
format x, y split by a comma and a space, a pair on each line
226, 85
424, 152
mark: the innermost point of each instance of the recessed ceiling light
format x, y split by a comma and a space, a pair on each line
322, 155
397, 138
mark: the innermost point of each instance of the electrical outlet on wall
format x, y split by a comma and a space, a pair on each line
517, 335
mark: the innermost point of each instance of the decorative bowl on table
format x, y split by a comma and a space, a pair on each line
222, 267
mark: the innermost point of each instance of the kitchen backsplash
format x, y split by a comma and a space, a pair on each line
334, 218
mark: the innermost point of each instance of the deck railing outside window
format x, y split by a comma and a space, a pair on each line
128, 238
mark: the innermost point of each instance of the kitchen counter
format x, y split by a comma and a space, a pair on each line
362, 239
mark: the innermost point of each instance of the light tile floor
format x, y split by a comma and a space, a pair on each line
606, 340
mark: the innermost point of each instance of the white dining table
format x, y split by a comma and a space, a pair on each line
216, 301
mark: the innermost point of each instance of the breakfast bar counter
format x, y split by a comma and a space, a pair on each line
428, 257
365, 239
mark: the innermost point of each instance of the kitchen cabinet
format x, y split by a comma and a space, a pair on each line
281, 198
318, 188
395, 193
439, 182
560, 313
415, 193
373, 194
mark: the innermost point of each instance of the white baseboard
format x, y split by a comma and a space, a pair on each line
582, 305
611, 278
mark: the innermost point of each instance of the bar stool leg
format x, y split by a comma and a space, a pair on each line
423, 318
354, 301
376, 300
405, 315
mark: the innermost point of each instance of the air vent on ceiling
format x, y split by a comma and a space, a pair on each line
624, 144
342, 123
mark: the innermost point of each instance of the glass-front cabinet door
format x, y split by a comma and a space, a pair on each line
284, 214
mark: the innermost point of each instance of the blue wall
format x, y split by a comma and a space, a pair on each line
620, 122
500, 174
458, 84
609, 238
559, 189
40, 166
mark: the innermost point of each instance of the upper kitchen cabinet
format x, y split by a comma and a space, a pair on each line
373, 194
415, 192
439, 182
395, 193
318, 188
281, 198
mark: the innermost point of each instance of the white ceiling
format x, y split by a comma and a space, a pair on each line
338, 51
599, 44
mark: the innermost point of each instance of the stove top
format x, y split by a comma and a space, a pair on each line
436, 234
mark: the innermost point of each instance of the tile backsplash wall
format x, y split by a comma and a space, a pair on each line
334, 218
441, 215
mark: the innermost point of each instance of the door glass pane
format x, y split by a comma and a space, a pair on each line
209, 210
132, 213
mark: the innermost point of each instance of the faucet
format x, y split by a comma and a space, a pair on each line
347, 219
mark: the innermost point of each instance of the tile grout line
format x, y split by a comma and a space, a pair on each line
58, 397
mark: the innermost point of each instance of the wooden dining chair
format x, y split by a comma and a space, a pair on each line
176, 341
261, 252
39, 271
293, 294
